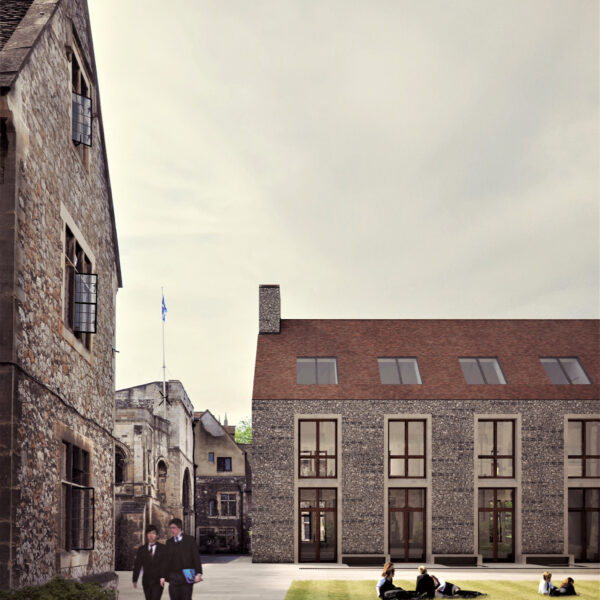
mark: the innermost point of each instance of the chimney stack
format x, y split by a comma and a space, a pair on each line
269, 309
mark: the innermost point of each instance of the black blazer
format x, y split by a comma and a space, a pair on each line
425, 584
181, 555
150, 564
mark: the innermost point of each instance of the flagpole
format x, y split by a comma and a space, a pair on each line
164, 363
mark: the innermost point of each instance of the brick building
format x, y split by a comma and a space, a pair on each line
154, 466
223, 487
449, 441
59, 275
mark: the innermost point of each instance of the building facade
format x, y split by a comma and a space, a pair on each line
59, 275
223, 487
448, 441
154, 466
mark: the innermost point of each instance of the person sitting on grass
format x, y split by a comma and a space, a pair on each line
387, 590
546, 586
451, 590
425, 583
566, 588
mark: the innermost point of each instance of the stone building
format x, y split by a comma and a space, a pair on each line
223, 487
446, 441
59, 275
154, 466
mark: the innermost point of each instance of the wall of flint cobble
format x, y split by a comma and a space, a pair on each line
541, 514
50, 174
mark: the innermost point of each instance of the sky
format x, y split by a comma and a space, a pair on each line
376, 159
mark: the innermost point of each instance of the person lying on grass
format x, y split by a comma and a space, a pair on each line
566, 588
447, 589
387, 590
546, 586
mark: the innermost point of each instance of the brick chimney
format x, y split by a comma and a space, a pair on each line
269, 309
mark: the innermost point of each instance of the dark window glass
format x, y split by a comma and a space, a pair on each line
482, 370
583, 523
399, 371
317, 524
406, 511
212, 508
119, 467
211, 457
495, 447
565, 371
322, 371
228, 505
496, 524
317, 448
223, 463
77, 499
406, 448
583, 448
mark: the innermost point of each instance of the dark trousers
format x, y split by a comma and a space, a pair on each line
152, 590
179, 588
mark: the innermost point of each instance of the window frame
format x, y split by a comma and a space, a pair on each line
230, 500
317, 456
79, 73
224, 458
211, 457
69, 474
558, 360
316, 364
406, 456
396, 359
406, 509
495, 456
481, 371
76, 262
583, 456
583, 512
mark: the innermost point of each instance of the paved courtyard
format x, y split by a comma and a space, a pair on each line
235, 577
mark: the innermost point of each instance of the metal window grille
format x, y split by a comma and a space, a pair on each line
82, 119
86, 299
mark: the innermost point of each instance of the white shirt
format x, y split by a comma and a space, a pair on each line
545, 587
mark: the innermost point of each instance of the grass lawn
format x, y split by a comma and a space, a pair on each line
365, 590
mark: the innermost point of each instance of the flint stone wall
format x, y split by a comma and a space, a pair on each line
541, 514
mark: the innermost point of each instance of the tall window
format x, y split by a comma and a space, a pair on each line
496, 524
482, 370
80, 291
317, 524
565, 370
81, 109
316, 370
212, 508
399, 371
77, 499
584, 524
317, 448
119, 466
228, 503
162, 481
583, 448
496, 448
223, 463
406, 448
406, 524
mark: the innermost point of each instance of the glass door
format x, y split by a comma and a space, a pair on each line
406, 524
317, 525
496, 524
584, 524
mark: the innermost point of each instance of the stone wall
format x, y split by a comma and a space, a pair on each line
54, 386
539, 515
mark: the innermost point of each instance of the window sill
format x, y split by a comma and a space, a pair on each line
70, 559
76, 344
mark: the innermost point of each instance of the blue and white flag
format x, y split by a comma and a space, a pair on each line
164, 308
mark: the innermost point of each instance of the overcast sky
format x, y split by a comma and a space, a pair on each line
376, 159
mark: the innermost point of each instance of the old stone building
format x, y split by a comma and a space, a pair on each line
59, 275
223, 487
154, 467
449, 441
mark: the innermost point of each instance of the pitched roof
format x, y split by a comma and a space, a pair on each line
21, 23
437, 344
